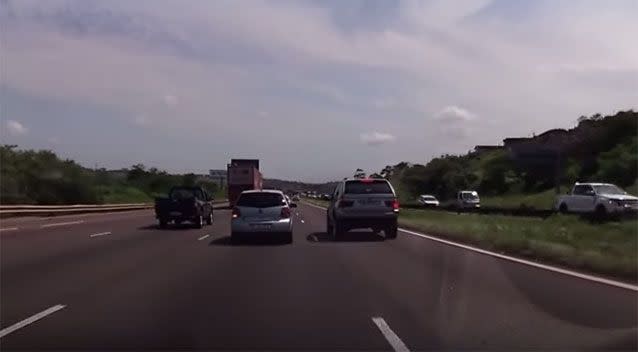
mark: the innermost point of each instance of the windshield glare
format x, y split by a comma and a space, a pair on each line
469, 196
608, 189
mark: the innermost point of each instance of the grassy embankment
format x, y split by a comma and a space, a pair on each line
610, 248
128, 194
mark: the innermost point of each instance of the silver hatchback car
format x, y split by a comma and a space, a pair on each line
259, 212
363, 203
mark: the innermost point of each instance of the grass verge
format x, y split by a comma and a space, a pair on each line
609, 248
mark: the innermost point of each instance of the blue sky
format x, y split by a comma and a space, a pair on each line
315, 89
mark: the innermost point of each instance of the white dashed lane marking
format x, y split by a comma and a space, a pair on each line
30, 320
100, 234
61, 224
389, 335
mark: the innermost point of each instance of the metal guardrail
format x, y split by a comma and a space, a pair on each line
74, 206
26, 210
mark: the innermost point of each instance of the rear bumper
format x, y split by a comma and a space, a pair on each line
243, 226
367, 222
180, 217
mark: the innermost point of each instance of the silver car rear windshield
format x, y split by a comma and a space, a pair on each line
261, 200
368, 187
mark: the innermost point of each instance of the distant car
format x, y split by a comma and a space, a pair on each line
295, 198
363, 203
428, 201
599, 198
467, 200
262, 212
185, 204
325, 197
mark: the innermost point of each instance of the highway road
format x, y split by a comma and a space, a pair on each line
116, 281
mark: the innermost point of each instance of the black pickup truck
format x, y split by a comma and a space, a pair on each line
191, 204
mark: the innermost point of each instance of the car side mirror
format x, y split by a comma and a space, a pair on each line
293, 205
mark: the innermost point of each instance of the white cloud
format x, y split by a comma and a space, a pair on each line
384, 103
454, 114
376, 138
531, 66
141, 120
15, 128
459, 132
170, 100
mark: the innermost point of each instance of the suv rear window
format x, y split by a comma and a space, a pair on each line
366, 187
260, 200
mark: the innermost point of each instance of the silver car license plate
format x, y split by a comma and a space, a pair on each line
260, 226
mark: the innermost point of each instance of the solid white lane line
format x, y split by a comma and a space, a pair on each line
32, 319
518, 260
100, 234
61, 224
389, 335
527, 262
9, 229
203, 237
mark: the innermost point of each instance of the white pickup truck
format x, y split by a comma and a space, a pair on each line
599, 198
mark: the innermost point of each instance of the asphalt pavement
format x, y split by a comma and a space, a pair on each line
118, 282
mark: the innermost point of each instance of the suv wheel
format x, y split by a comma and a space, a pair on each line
337, 231
287, 238
601, 212
563, 208
199, 222
328, 225
209, 219
391, 232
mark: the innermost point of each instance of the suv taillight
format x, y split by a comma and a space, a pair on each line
285, 213
236, 213
393, 203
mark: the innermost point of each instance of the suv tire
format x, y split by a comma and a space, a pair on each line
209, 219
287, 238
337, 231
199, 222
328, 225
391, 232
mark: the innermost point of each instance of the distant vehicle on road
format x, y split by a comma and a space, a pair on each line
260, 212
428, 201
295, 198
599, 198
191, 204
363, 203
467, 200
325, 197
243, 174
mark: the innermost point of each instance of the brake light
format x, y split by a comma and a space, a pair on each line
236, 213
393, 203
285, 213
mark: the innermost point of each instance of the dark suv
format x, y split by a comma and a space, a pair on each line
363, 203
